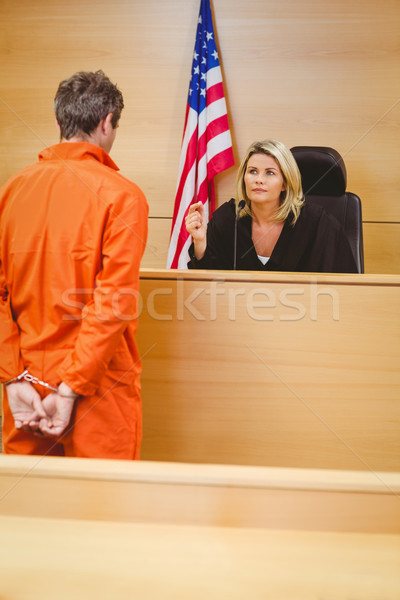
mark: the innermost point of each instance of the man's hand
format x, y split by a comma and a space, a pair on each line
58, 407
25, 405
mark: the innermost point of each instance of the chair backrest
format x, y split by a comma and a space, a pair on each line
324, 180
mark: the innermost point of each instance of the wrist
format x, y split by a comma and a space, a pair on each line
199, 249
16, 379
66, 392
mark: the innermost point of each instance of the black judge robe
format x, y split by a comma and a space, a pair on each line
316, 243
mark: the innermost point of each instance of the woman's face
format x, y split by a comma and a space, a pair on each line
263, 180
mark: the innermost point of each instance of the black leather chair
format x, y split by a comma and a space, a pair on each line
324, 179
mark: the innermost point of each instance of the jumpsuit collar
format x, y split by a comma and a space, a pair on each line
77, 151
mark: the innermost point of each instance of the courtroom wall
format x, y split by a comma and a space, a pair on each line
312, 73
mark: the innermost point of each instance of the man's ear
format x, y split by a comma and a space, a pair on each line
59, 130
107, 124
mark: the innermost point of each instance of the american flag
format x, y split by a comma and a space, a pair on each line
207, 145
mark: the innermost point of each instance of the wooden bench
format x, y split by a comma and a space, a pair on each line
88, 528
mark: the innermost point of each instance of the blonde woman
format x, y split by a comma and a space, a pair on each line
268, 225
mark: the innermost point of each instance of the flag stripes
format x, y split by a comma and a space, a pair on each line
206, 145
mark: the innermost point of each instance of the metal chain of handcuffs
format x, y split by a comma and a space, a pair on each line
26, 376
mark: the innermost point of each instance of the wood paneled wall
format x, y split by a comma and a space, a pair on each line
312, 73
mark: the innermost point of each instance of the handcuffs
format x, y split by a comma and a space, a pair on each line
26, 376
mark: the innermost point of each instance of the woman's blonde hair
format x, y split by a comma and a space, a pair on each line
292, 197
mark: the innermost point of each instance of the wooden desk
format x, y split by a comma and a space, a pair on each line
291, 370
112, 529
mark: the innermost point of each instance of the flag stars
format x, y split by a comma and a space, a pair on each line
205, 56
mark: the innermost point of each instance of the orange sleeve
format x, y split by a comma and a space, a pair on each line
11, 363
115, 298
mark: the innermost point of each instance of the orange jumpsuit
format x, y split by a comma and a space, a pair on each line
72, 234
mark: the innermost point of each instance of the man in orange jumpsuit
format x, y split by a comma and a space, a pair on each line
72, 234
